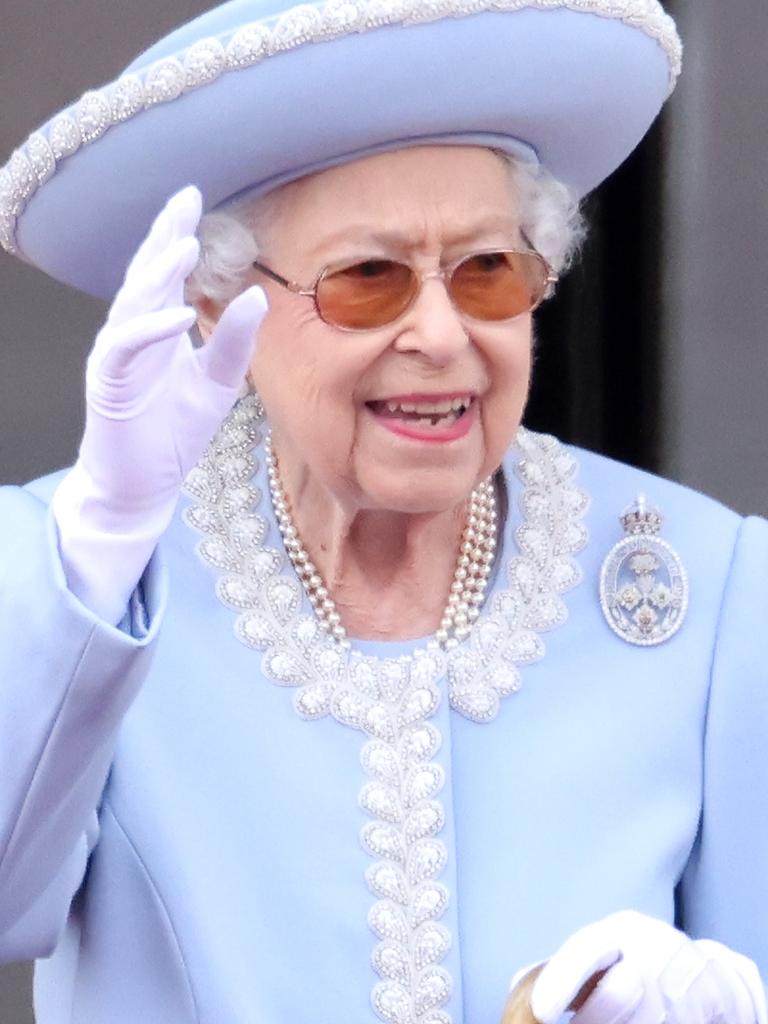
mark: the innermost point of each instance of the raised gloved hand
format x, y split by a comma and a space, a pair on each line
153, 402
651, 973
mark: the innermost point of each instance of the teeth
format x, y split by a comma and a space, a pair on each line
429, 408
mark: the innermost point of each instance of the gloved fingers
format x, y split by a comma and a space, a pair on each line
226, 355
161, 282
179, 217
620, 996
589, 950
126, 341
747, 971
721, 989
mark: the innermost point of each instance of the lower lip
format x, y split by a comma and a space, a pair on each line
454, 432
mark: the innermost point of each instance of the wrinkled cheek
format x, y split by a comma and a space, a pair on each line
503, 412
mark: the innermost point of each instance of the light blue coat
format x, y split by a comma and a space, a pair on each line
185, 848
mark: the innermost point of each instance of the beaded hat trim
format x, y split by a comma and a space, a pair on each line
37, 160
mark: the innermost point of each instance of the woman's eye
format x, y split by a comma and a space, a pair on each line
487, 261
368, 269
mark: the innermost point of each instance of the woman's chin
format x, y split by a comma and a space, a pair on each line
421, 493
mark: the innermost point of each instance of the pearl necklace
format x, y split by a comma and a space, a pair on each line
470, 579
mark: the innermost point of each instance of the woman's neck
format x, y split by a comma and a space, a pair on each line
388, 573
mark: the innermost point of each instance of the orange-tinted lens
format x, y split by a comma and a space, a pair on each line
499, 285
366, 295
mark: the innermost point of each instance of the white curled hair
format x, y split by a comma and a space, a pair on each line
550, 219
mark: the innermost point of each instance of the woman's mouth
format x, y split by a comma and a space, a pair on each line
435, 418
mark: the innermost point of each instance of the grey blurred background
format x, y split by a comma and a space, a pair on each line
715, 282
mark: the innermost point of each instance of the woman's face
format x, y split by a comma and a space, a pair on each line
334, 398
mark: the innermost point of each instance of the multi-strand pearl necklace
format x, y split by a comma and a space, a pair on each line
470, 580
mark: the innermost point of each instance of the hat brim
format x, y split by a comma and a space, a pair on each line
579, 90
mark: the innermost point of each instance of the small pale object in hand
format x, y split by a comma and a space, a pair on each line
518, 1007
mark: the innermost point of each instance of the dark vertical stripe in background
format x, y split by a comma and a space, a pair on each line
596, 379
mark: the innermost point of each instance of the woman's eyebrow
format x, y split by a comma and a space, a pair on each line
392, 238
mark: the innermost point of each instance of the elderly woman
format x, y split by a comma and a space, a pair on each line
400, 824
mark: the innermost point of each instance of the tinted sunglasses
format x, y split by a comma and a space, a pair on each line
493, 285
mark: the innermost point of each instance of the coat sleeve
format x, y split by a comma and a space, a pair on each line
724, 892
66, 680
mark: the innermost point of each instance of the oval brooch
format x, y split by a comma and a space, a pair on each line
643, 584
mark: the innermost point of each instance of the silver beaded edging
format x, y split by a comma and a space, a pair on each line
37, 160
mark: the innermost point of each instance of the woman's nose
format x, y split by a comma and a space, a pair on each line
432, 326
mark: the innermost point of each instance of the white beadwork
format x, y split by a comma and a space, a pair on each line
126, 98
248, 46
296, 26
23, 182
94, 115
64, 137
165, 81
391, 700
6, 188
204, 62
410, 858
41, 157
207, 59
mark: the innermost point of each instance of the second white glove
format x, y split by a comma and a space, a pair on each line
654, 974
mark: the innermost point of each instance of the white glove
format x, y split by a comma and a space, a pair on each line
653, 973
153, 402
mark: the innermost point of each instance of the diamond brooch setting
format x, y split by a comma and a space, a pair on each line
643, 583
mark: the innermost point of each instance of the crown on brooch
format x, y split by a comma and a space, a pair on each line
641, 518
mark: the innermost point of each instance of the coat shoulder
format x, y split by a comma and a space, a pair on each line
690, 517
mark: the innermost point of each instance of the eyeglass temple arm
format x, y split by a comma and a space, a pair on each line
292, 286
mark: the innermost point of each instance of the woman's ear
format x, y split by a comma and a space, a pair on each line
208, 313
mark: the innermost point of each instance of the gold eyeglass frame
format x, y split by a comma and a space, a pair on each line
444, 273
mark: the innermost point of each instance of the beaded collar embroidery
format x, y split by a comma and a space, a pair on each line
391, 700
34, 163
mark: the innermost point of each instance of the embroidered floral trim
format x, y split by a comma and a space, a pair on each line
37, 160
391, 700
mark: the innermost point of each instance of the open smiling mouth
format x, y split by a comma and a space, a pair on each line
443, 413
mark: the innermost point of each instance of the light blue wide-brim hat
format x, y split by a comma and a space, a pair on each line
254, 93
